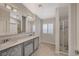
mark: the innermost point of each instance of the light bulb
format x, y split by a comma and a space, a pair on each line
14, 10
8, 7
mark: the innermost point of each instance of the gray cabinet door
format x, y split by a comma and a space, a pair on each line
36, 43
3, 53
28, 48
15, 51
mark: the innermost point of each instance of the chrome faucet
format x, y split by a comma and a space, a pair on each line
6, 40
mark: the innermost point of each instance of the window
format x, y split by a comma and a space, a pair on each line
33, 28
47, 28
44, 28
50, 28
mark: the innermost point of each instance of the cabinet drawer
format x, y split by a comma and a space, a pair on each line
13, 51
28, 42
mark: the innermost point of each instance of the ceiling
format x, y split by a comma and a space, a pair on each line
43, 10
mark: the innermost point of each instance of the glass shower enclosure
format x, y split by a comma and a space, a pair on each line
63, 30
63, 35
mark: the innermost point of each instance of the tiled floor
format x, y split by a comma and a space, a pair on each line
46, 49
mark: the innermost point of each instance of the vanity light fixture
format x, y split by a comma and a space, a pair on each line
29, 18
40, 5
8, 7
14, 10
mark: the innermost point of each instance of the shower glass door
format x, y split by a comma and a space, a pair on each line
64, 35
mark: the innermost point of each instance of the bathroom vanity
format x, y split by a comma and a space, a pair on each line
24, 46
14, 40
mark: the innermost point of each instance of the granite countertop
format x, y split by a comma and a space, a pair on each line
2, 37
16, 41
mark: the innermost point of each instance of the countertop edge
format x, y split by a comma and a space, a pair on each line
6, 46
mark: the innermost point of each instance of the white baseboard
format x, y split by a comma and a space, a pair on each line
47, 42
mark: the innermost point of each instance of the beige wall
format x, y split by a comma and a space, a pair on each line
72, 29
78, 27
